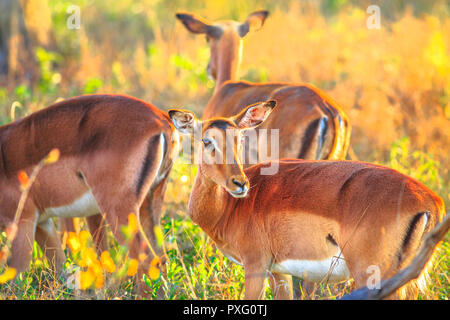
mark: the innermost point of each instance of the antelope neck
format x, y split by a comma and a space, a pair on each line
229, 60
205, 205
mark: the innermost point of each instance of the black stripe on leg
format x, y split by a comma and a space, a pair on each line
323, 128
308, 138
412, 227
149, 159
3, 156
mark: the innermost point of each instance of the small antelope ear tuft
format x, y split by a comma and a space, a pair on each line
183, 120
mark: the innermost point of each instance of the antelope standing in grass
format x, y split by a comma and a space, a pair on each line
311, 125
318, 220
114, 149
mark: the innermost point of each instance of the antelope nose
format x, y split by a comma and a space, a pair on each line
242, 183
239, 181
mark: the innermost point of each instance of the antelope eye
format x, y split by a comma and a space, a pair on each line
206, 142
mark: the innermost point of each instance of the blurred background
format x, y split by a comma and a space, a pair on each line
393, 82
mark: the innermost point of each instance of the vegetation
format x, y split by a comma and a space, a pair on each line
394, 83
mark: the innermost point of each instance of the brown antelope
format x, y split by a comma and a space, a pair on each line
114, 149
320, 220
311, 125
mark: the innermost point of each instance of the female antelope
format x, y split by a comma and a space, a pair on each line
320, 220
114, 149
311, 125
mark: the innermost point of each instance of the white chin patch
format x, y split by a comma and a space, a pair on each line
238, 195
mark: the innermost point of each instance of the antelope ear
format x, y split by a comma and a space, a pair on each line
183, 120
254, 22
196, 24
255, 114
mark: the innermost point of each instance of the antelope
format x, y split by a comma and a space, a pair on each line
311, 125
320, 220
113, 150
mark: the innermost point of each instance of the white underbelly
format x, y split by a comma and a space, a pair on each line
85, 206
331, 270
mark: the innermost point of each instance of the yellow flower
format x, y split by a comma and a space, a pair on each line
100, 281
86, 279
53, 156
132, 223
155, 262
132, 267
96, 267
142, 257
107, 262
88, 258
153, 273
84, 237
23, 179
9, 274
73, 242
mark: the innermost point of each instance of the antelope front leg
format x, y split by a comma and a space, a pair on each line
97, 228
117, 217
50, 243
255, 275
22, 245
